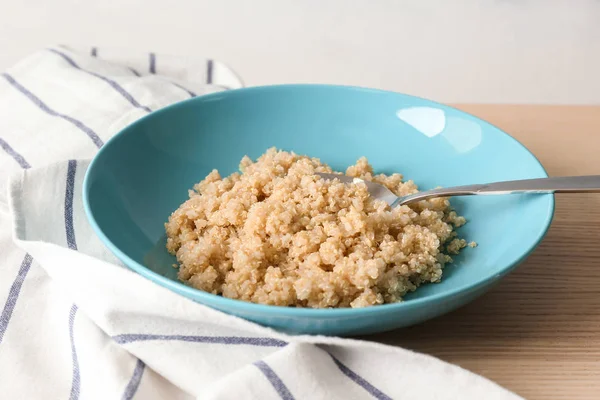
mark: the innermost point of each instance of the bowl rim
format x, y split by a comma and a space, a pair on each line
210, 299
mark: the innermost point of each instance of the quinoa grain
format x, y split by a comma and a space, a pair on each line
278, 234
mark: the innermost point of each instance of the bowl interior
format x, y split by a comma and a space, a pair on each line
143, 174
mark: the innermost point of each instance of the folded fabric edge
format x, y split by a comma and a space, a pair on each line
233, 79
15, 183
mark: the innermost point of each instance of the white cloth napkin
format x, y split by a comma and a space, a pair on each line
76, 324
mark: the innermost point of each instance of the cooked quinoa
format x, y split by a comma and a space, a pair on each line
278, 234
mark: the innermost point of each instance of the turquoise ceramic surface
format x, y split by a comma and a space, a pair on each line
140, 176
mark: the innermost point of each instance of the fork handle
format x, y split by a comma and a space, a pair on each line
562, 184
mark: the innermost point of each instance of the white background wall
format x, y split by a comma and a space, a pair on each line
519, 51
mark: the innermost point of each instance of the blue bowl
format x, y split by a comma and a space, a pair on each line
143, 173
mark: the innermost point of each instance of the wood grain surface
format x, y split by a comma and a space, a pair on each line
537, 333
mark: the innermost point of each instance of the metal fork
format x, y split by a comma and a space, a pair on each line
563, 184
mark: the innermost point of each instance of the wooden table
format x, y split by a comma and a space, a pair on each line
538, 332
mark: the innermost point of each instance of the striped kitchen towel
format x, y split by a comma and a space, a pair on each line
76, 324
